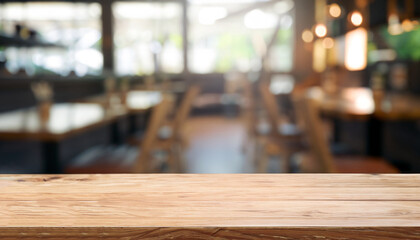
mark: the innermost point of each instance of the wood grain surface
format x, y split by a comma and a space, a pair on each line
158, 206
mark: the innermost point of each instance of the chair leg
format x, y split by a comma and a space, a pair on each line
175, 158
285, 164
179, 153
262, 161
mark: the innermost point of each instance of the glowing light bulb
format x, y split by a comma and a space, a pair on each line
335, 10
320, 30
356, 18
307, 36
355, 53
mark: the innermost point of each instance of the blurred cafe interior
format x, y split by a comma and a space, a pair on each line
210, 86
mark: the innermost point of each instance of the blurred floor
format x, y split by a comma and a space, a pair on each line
216, 145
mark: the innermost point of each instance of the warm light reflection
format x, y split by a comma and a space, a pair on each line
407, 25
307, 36
355, 54
320, 30
356, 18
359, 100
319, 57
328, 42
394, 26
335, 10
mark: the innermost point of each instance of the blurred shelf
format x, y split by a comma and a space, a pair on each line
13, 41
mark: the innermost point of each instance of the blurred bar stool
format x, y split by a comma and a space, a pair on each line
125, 158
170, 137
284, 138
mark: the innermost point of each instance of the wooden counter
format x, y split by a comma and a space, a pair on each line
210, 206
359, 103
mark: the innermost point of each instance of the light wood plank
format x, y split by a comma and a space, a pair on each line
202, 206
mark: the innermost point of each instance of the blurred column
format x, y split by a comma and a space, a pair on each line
305, 16
107, 36
185, 28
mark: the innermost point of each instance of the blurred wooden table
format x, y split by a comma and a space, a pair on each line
138, 104
65, 120
362, 104
137, 100
275, 206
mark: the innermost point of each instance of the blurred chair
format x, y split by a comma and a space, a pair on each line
321, 160
125, 158
170, 137
284, 138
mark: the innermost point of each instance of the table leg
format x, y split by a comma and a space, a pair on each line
138, 122
51, 157
336, 131
115, 134
132, 126
374, 137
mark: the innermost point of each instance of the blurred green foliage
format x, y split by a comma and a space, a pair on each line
406, 44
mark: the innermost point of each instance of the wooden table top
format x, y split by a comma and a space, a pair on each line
65, 119
137, 100
260, 206
359, 103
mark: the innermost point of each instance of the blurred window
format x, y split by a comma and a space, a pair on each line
148, 37
233, 35
74, 26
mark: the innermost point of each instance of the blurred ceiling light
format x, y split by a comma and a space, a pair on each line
335, 10
355, 53
407, 25
320, 30
356, 18
307, 36
257, 19
328, 42
209, 15
283, 6
394, 26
